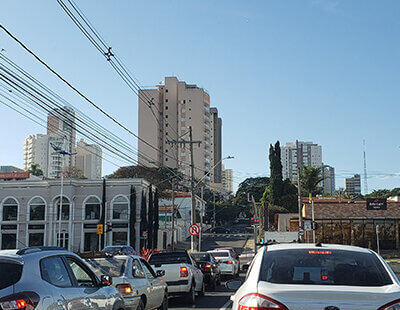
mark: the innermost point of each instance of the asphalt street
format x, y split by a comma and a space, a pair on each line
220, 298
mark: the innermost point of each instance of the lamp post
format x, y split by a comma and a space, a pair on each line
62, 152
212, 168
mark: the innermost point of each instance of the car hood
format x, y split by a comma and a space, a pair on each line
317, 297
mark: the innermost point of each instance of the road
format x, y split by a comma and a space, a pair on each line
220, 298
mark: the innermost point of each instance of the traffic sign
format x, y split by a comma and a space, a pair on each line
194, 229
99, 229
308, 225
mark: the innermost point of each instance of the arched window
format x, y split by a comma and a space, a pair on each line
120, 208
10, 210
92, 209
65, 209
36, 209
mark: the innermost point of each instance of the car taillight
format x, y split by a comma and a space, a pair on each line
255, 301
229, 262
23, 300
124, 288
394, 305
184, 272
207, 266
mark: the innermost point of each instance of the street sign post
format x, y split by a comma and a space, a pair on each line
194, 229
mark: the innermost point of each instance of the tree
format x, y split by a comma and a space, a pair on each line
73, 172
310, 177
143, 218
132, 216
35, 170
276, 183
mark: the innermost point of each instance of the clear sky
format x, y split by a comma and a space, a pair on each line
325, 71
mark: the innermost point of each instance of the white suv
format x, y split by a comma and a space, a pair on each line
228, 264
52, 278
317, 277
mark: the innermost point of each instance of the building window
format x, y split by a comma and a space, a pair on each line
166, 107
65, 209
8, 241
91, 242
10, 210
36, 239
36, 209
120, 208
92, 209
166, 159
166, 90
166, 100
120, 238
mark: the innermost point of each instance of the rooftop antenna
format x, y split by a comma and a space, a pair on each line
365, 170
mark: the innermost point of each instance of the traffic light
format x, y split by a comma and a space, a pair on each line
255, 221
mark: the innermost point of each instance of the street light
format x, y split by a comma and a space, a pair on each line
62, 152
212, 168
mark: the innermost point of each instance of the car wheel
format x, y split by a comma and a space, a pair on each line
141, 305
203, 290
164, 304
190, 297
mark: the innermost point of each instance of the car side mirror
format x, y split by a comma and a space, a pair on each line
106, 280
233, 285
160, 273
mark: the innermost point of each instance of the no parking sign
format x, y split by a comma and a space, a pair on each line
194, 229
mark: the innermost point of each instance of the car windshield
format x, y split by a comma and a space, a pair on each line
116, 249
169, 258
200, 257
323, 267
217, 254
112, 266
10, 273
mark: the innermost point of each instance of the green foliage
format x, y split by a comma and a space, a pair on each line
289, 197
254, 187
74, 173
384, 193
35, 170
161, 177
132, 216
276, 182
310, 177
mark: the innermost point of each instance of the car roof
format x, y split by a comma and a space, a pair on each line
323, 246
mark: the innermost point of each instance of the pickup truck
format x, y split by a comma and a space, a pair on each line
181, 274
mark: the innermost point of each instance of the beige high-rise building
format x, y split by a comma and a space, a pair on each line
174, 107
88, 159
227, 180
35, 152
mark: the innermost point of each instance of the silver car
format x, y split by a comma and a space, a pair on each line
45, 278
139, 285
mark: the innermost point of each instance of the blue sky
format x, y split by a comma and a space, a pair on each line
325, 71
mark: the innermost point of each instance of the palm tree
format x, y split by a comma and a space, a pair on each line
35, 170
310, 177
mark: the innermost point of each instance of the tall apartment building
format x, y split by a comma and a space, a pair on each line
352, 185
299, 153
227, 180
174, 107
61, 123
88, 159
216, 147
328, 184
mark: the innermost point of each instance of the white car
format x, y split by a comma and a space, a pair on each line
317, 277
181, 274
228, 264
140, 286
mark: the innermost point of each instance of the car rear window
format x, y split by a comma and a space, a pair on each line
10, 273
169, 258
113, 267
220, 254
330, 267
201, 257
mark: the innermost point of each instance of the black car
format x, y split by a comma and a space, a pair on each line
210, 268
220, 230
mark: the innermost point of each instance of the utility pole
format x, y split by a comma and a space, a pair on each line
214, 211
173, 218
193, 213
299, 198
193, 208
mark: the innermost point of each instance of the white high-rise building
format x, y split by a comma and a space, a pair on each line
227, 180
299, 153
165, 115
328, 173
88, 159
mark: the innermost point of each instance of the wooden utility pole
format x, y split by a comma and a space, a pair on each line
193, 208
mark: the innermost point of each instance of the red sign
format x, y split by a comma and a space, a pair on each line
14, 175
194, 229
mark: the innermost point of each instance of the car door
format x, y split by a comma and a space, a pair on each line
157, 291
139, 279
86, 288
54, 271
